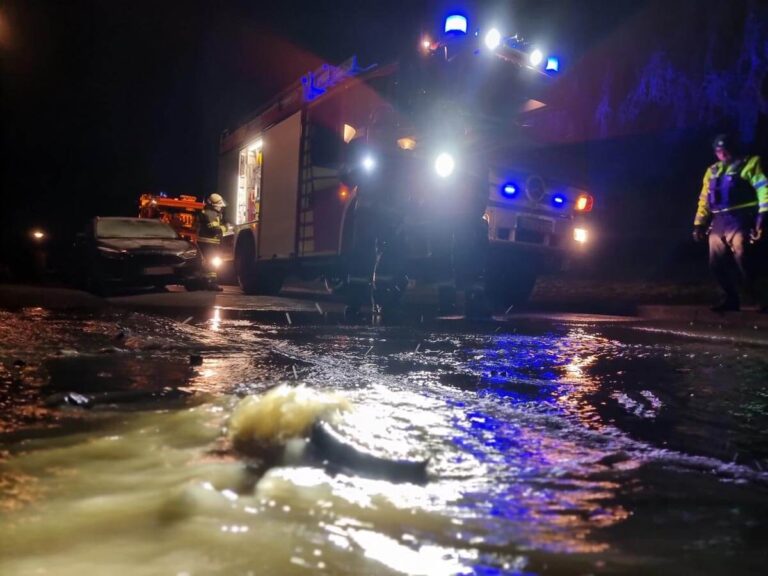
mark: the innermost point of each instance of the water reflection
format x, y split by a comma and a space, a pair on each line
540, 443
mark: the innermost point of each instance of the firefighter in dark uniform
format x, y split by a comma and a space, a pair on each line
374, 169
733, 205
212, 229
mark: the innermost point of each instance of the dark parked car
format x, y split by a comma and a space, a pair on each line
134, 252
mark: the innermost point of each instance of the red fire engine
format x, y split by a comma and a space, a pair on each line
385, 176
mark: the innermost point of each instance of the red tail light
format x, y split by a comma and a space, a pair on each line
584, 203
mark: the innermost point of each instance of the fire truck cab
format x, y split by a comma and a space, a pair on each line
387, 175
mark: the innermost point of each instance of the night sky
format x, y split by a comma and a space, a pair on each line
104, 100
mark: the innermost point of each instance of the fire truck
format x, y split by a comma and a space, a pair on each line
384, 176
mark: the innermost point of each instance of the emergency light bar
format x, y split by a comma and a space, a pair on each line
509, 190
553, 64
558, 200
456, 23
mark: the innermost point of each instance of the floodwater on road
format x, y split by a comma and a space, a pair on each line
555, 447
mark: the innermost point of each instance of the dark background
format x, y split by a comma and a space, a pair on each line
104, 100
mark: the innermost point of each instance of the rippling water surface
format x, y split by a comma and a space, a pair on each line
554, 448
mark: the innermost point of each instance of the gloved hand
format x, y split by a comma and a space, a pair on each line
759, 231
699, 233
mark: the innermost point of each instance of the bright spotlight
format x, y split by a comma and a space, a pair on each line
537, 56
369, 163
444, 165
492, 39
216, 261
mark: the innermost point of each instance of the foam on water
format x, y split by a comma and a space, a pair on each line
282, 413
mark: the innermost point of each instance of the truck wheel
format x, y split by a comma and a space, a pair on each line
509, 288
245, 265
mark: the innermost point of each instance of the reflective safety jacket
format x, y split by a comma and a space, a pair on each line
735, 186
212, 226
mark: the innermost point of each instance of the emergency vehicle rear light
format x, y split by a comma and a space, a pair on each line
456, 23
558, 200
584, 203
510, 190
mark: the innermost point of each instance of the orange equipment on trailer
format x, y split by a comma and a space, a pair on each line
183, 213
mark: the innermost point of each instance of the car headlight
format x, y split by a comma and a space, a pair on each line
189, 254
444, 165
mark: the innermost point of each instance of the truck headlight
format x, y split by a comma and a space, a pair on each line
369, 163
444, 165
580, 235
492, 39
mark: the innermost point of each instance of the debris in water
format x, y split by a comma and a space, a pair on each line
319, 308
615, 458
295, 373
341, 450
70, 399
367, 351
288, 317
417, 347
187, 320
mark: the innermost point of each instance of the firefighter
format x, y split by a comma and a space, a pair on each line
374, 168
733, 208
212, 229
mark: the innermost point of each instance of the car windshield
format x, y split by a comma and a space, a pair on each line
133, 228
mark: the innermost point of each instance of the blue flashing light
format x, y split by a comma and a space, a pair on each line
553, 64
509, 190
558, 200
456, 23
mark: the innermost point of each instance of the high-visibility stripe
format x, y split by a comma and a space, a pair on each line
737, 207
760, 184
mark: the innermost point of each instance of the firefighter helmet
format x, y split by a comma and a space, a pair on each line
216, 201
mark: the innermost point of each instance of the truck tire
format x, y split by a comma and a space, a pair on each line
245, 265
